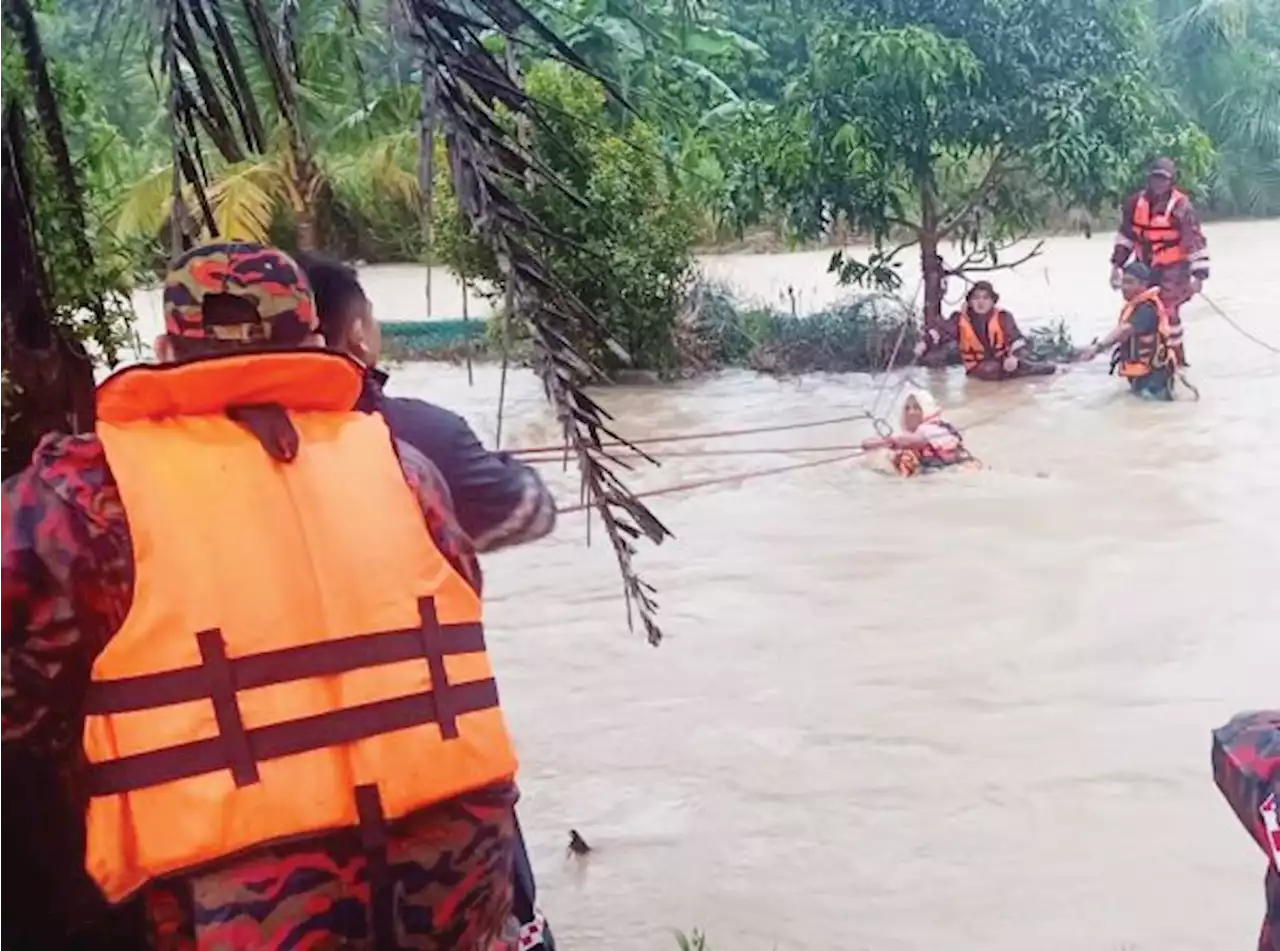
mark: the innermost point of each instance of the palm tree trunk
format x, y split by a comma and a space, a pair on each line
19, 18
304, 223
48, 378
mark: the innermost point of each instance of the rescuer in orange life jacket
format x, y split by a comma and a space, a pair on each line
246, 618
1145, 340
1160, 228
987, 337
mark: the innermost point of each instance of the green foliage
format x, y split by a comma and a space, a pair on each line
906, 120
89, 274
1221, 58
970, 122
622, 214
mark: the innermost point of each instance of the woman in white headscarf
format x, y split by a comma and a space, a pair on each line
926, 440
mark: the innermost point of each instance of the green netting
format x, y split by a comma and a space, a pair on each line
433, 333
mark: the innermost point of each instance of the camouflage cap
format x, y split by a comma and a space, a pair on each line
1163, 167
265, 277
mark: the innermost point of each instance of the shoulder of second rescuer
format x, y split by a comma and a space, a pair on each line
498, 500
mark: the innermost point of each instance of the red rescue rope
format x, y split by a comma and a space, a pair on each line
721, 480
685, 437
694, 453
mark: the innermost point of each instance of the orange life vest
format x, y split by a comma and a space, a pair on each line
299, 656
929, 456
1157, 237
1142, 353
972, 349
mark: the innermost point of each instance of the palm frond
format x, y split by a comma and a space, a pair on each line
245, 199
144, 206
473, 94
382, 168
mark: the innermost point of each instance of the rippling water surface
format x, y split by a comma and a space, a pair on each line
968, 711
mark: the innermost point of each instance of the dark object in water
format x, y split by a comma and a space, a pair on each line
577, 844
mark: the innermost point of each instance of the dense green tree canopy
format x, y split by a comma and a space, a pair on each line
932, 122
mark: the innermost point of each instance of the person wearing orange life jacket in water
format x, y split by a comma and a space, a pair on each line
1160, 228
988, 339
1144, 338
926, 441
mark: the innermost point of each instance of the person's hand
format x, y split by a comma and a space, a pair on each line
872, 443
1010, 363
1085, 354
1197, 282
1117, 275
919, 348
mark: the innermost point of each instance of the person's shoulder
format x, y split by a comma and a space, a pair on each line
73, 469
414, 408
65, 505
415, 420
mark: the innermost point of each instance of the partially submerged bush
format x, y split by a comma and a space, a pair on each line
1051, 342
859, 333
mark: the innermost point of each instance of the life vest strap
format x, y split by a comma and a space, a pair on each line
322, 731
373, 840
324, 659
239, 750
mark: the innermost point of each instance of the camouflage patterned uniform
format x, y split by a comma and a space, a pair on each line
1246, 767
68, 581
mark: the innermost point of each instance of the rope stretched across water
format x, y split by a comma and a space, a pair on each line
1237, 328
722, 480
695, 453
528, 451
853, 453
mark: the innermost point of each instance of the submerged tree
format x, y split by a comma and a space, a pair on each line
934, 122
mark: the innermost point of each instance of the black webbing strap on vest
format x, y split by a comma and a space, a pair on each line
238, 749
373, 840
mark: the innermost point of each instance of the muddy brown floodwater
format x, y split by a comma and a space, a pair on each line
968, 711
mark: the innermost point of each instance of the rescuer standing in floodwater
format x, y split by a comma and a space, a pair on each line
1145, 341
250, 591
990, 343
1160, 228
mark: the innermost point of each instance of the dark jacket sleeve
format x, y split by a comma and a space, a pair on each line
498, 500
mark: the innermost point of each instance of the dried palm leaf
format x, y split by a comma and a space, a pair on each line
473, 93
